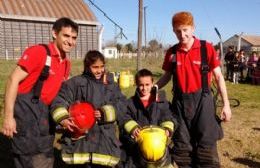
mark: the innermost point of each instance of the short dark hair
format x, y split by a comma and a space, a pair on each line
143, 73
91, 57
64, 22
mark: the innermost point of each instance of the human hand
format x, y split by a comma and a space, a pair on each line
97, 114
9, 127
69, 124
226, 113
135, 133
167, 132
154, 92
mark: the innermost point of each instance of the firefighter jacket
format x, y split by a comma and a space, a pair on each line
157, 113
100, 145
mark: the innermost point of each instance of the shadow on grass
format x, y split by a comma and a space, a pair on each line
256, 129
6, 160
247, 162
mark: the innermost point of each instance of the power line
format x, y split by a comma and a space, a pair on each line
121, 29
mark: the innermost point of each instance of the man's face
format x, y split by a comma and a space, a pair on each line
97, 69
65, 40
145, 85
184, 33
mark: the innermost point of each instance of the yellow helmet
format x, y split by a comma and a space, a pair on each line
152, 142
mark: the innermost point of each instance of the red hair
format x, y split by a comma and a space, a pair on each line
182, 18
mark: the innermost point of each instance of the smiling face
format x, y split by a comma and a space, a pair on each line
65, 39
184, 33
145, 85
97, 69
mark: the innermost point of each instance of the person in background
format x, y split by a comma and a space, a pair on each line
242, 66
235, 68
251, 64
26, 107
144, 109
229, 56
195, 140
99, 146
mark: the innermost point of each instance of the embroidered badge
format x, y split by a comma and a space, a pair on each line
197, 62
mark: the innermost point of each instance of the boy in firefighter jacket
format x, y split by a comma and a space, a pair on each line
151, 111
98, 146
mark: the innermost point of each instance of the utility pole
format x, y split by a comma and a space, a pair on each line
139, 41
239, 41
145, 30
221, 50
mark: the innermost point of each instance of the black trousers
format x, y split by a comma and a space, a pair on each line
33, 161
34, 139
198, 131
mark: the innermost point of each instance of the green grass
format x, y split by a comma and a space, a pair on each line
240, 147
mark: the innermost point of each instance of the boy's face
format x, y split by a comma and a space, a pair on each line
145, 85
97, 69
65, 39
184, 33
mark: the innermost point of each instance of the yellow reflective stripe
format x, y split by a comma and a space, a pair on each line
76, 158
109, 113
82, 158
168, 124
105, 160
130, 125
59, 114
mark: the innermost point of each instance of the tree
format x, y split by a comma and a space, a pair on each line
119, 47
155, 46
129, 47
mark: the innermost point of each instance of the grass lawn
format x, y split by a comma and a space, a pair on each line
240, 147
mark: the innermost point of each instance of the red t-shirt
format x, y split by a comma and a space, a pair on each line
33, 61
189, 66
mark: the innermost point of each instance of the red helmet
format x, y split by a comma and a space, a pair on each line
82, 114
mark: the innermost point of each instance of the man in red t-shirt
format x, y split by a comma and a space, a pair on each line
27, 121
198, 131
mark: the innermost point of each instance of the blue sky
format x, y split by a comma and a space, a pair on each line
229, 16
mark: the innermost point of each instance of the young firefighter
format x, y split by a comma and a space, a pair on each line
192, 62
144, 109
29, 93
100, 146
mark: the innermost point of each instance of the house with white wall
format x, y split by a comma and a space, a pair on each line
110, 52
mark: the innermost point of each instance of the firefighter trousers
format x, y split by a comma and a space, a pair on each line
198, 131
34, 139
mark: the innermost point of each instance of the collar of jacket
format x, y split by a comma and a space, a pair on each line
90, 76
161, 96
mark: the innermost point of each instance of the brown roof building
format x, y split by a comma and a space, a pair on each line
248, 42
27, 22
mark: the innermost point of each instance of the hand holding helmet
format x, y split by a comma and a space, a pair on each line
82, 115
135, 133
152, 142
68, 124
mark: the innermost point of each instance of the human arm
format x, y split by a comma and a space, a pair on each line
60, 105
226, 111
167, 120
164, 79
9, 123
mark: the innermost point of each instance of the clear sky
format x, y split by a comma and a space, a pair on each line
229, 16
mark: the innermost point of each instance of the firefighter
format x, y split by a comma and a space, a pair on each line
99, 147
147, 108
30, 90
191, 63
